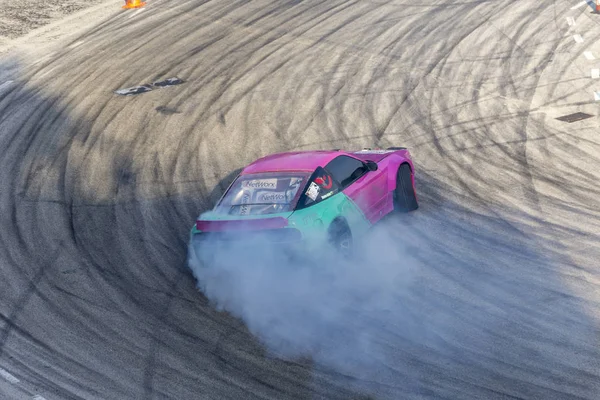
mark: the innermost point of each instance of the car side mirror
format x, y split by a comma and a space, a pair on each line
371, 165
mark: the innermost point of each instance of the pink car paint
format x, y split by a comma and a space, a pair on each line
372, 193
292, 161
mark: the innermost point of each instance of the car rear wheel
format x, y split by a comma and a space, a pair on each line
340, 238
405, 198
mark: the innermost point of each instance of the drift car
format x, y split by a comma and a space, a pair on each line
310, 198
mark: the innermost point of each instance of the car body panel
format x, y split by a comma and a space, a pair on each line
314, 217
361, 204
369, 193
373, 193
390, 159
215, 216
314, 221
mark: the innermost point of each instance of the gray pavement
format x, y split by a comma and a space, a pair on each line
98, 192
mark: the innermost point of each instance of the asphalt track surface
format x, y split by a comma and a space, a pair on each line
98, 193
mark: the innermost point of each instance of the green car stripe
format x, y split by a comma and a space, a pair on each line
314, 221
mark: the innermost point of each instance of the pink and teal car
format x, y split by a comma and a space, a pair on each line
309, 198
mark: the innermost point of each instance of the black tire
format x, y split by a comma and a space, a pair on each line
340, 238
405, 198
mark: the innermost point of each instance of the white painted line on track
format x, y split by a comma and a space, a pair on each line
578, 38
597, 96
38, 397
8, 376
583, 3
595, 73
570, 21
589, 55
76, 44
136, 13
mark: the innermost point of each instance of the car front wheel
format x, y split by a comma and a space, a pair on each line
405, 198
340, 238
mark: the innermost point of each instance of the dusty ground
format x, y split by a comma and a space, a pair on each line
31, 31
18, 17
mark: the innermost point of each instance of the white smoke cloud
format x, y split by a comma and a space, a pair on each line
447, 302
336, 311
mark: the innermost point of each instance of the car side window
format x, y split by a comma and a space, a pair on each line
321, 186
346, 170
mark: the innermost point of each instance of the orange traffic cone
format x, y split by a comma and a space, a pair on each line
598, 6
137, 4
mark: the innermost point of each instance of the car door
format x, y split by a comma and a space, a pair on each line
365, 188
321, 203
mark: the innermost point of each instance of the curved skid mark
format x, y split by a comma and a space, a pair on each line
499, 277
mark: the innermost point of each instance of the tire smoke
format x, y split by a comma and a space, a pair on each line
339, 312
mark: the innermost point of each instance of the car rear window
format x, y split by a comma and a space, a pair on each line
260, 194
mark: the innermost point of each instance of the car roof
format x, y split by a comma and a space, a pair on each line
292, 161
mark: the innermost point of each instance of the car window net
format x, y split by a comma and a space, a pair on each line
262, 195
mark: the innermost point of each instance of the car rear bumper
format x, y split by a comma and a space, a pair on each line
208, 248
